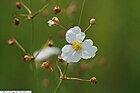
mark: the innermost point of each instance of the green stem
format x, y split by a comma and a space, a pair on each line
61, 79
81, 12
87, 28
20, 46
29, 11
33, 65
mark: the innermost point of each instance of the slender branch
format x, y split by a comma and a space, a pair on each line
61, 79
20, 46
78, 79
29, 11
81, 12
61, 26
60, 71
88, 27
41, 10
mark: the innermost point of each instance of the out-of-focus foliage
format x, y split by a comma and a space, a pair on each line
116, 34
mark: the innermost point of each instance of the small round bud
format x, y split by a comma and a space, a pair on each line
60, 58
56, 20
93, 80
46, 64
18, 5
57, 9
50, 43
27, 58
16, 21
92, 21
11, 41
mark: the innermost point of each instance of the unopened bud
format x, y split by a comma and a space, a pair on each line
18, 5
60, 58
93, 80
16, 21
27, 58
11, 41
57, 9
56, 20
50, 43
47, 66
92, 21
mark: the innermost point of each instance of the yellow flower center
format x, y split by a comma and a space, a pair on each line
77, 46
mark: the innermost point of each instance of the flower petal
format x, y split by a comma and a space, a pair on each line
70, 55
74, 34
80, 37
88, 50
46, 53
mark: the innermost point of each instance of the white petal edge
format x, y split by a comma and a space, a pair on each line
71, 34
88, 50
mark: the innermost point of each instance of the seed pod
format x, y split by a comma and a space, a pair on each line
57, 9
11, 41
18, 5
16, 21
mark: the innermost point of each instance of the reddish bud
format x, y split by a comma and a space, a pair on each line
16, 21
18, 5
56, 20
11, 41
93, 80
47, 66
57, 9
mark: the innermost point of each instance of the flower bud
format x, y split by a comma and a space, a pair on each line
16, 21
93, 80
47, 66
11, 41
57, 9
60, 58
56, 20
27, 58
92, 21
18, 5
50, 43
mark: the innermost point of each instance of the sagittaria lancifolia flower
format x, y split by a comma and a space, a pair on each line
77, 48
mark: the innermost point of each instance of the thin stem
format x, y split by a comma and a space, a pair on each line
61, 79
81, 12
39, 11
20, 46
34, 70
60, 71
78, 79
29, 11
87, 28
61, 26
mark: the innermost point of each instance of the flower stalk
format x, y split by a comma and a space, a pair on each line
61, 79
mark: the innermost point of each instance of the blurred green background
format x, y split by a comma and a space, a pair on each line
116, 34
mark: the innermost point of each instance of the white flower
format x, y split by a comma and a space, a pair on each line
54, 21
77, 48
46, 53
